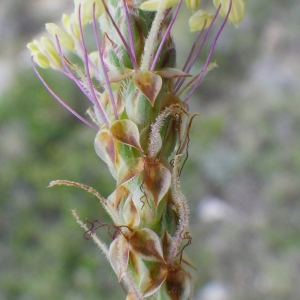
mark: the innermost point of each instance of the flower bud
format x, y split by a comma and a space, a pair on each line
200, 19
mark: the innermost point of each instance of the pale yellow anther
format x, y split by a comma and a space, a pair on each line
41, 60
95, 60
200, 19
32, 47
87, 7
237, 10
193, 4
64, 38
71, 25
38, 44
152, 5
46, 49
66, 21
49, 48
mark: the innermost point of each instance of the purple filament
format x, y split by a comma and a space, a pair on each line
191, 63
165, 37
60, 100
179, 81
120, 35
130, 37
111, 96
86, 63
202, 73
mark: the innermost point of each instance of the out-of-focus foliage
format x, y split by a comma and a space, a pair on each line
241, 178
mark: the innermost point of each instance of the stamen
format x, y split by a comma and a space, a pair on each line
86, 63
165, 37
199, 49
120, 35
180, 81
202, 73
130, 37
60, 100
193, 48
68, 72
111, 95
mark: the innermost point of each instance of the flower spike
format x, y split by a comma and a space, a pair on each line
140, 112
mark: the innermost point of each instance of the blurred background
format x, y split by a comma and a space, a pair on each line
242, 178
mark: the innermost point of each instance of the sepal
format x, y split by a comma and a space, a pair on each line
146, 244
119, 255
153, 279
106, 150
129, 169
157, 181
149, 84
126, 132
